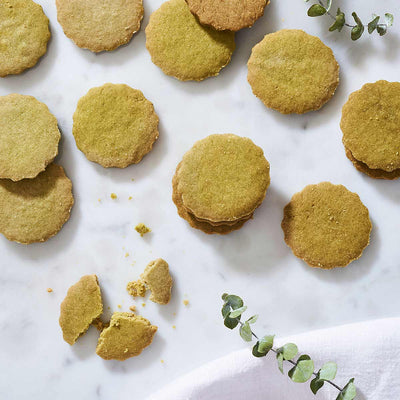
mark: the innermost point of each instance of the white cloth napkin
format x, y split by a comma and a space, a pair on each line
367, 351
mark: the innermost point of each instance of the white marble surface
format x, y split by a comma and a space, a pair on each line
254, 262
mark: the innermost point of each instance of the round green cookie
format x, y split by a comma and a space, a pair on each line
182, 47
29, 137
115, 125
24, 33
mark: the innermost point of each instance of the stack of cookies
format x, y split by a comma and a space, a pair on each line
220, 182
370, 124
35, 195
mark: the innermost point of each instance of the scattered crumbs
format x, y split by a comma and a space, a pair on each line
143, 304
162, 361
136, 288
49, 290
126, 255
119, 306
132, 308
142, 229
130, 198
173, 327
186, 302
113, 196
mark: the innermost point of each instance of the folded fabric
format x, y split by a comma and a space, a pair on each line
368, 351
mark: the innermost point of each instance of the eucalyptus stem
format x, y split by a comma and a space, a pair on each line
303, 366
295, 363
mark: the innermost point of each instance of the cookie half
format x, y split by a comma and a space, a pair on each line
223, 178
127, 336
373, 173
157, 277
29, 137
326, 225
115, 125
34, 210
370, 125
24, 33
80, 308
184, 48
230, 15
100, 25
293, 72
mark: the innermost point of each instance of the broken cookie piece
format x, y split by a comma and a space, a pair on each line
157, 277
127, 335
142, 229
80, 308
136, 288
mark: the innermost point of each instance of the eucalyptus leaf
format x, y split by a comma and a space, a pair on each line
316, 10
245, 332
389, 19
234, 301
339, 21
252, 319
357, 32
289, 351
279, 357
303, 369
328, 371
238, 312
226, 309
381, 29
266, 343
349, 392
316, 384
255, 351
373, 24
231, 323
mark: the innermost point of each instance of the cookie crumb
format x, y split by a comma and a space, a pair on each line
119, 306
143, 304
130, 198
162, 361
186, 302
142, 229
126, 255
99, 324
132, 308
113, 196
136, 288
173, 327
99, 200
49, 290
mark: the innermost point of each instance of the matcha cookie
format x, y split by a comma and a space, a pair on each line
370, 124
115, 125
24, 33
182, 47
81, 307
127, 335
223, 178
157, 277
326, 225
373, 173
293, 72
231, 15
34, 210
206, 227
100, 25
29, 137
136, 288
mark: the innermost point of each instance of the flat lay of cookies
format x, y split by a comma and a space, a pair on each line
156, 154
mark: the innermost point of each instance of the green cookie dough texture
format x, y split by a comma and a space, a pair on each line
29, 137
182, 47
115, 125
24, 33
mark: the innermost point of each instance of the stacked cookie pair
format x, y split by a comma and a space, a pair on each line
220, 182
35, 194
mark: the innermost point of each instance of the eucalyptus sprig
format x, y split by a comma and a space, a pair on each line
357, 29
302, 366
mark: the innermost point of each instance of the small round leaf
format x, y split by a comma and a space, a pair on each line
316, 10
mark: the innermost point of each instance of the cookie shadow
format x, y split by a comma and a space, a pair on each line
389, 189
85, 346
356, 270
169, 311
261, 237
